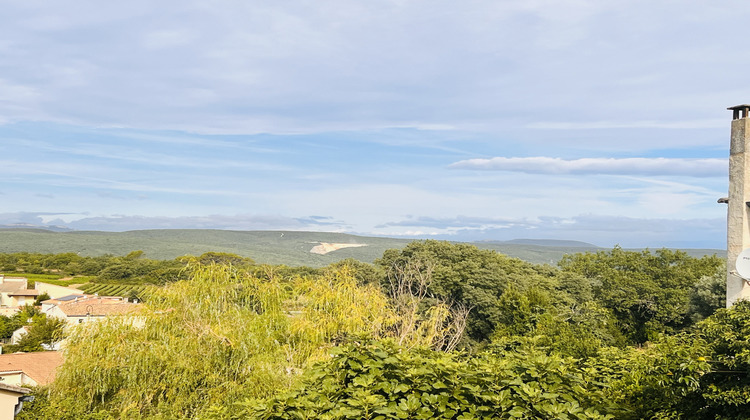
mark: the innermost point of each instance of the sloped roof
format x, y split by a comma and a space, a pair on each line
14, 278
40, 366
67, 298
25, 292
55, 301
98, 306
12, 286
13, 388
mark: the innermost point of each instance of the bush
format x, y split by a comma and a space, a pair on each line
379, 380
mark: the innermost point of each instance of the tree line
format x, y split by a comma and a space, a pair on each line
132, 268
433, 330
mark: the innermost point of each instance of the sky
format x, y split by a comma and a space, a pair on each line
603, 122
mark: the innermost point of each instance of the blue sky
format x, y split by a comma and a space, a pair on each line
597, 121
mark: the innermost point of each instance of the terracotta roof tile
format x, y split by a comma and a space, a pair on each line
12, 287
25, 292
13, 388
40, 366
96, 306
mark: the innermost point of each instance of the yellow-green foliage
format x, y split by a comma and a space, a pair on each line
222, 336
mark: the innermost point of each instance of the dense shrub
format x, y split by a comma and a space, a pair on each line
379, 380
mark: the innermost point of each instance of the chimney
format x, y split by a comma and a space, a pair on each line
738, 210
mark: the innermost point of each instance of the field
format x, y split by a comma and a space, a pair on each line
49, 278
124, 290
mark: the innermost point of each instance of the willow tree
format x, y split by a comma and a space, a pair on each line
223, 336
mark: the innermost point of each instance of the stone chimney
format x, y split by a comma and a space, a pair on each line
738, 212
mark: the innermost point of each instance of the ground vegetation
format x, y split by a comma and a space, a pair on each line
432, 330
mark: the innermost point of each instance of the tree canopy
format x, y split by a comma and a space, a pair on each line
616, 334
649, 293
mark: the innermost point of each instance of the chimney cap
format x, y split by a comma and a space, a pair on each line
739, 107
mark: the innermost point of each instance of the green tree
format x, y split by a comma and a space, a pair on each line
43, 334
134, 255
9, 324
60, 261
364, 273
703, 374
725, 388
224, 258
117, 272
39, 299
648, 293
221, 337
466, 276
708, 294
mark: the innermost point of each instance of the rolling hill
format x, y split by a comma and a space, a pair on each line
272, 247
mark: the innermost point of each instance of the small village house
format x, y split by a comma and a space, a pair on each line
29, 369
11, 400
76, 310
55, 291
14, 293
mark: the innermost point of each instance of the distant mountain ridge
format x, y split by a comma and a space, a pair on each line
291, 248
29, 226
547, 242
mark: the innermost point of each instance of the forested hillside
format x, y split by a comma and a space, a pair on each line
430, 330
266, 247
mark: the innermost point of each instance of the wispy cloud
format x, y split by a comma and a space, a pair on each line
123, 223
296, 67
608, 166
602, 230
599, 125
30, 218
458, 222
141, 155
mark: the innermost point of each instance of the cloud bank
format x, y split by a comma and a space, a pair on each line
124, 223
601, 230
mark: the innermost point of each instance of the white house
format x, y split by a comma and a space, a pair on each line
55, 291
18, 334
80, 309
14, 293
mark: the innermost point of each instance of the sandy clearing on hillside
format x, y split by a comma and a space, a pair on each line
325, 247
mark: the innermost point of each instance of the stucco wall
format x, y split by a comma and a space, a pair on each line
17, 379
55, 291
8, 401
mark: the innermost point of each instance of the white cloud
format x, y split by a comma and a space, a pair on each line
123, 223
601, 230
598, 125
609, 166
297, 67
482, 79
17, 98
163, 39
